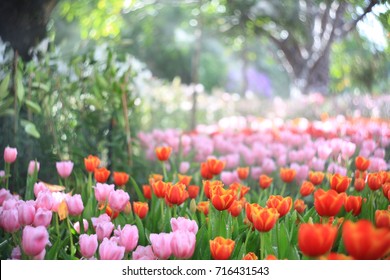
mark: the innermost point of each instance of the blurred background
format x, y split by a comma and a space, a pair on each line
84, 77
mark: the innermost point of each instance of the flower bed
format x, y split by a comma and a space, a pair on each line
243, 189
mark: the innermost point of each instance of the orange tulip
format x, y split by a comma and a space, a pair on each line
316, 239
359, 184
184, 179
265, 181
271, 258
91, 163
281, 204
205, 172
215, 166
147, 190
365, 242
111, 213
193, 191
203, 207
339, 183
328, 203
121, 178
235, 208
264, 219
160, 189
163, 153
248, 210
141, 209
176, 194
101, 174
336, 257
361, 174
307, 188
374, 181
299, 206
386, 188
287, 174
239, 189
316, 177
362, 163
209, 185
250, 257
242, 172
382, 218
353, 204
221, 199
155, 178
221, 248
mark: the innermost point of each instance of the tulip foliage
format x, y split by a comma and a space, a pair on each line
297, 190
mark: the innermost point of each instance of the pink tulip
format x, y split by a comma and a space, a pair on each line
104, 230
268, 166
103, 218
42, 217
4, 195
75, 204
102, 191
76, 226
9, 220
88, 245
324, 152
184, 224
109, 250
11, 203
184, 167
118, 200
40, 256
58, 197
32, 166
44, 200
39, 187
161, 244
229, 177
34, 240
64, 168
10, 154
347, 149
2, 173
183, 244
26, 212
16, 253
144, 253
128, 237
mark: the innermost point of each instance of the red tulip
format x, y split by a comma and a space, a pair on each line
316, 239
328, 203
265, 181
362, 163
221, 248
281, 204
101, 175
353, 204
307, 188
339, 183
91, 163
264, 219
163, 153
287, 174
121, 178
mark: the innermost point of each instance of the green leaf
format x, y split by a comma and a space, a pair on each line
30, 129
33, 106
4, 86
5, 104
141, 230
42, 86
19, 86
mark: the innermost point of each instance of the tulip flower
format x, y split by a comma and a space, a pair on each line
184, 179
205, 172
102, 191
10, 154
104, 230
183, 244
248, 210
159, 189
353, 204
328, 203
42, 217
26, 212
239, 190
39, 187
9, 220
118, 199
382, 218
143, 253
140, 209
88, 245
375, 181
76, 226
147, 191
34, 240
265, 181
250, 257
281, 204
339, 183
110, 250
176, 194
184, 167
91, 163
316, 239
221, 248
235, 208
128, 237
184, 224
299, 206
215, 166
264, 219
44, 200
287, 174
359, 184
209, 185
362, 163
75, 204
101, 175
64, 168
222, 199
271, 257
365, 242
16, 253
4, 195
336, 257
163, 153
121, 178
203, 207
161, 244
316, 177
243, 172
307, 188
32, 167
103, 218
193, 191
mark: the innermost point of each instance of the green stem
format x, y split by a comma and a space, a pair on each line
164, 171
262, 236
371, 203
277, 237
72, 249
89, 187
283, 189
7, 174
247, 237
57, 225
